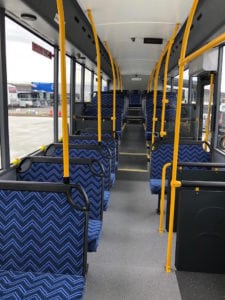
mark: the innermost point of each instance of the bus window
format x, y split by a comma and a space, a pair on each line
13, 100
31, 119
221, 110
87, 86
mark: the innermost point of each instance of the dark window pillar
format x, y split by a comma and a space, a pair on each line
4, 128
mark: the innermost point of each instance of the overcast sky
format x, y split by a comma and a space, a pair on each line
23, 64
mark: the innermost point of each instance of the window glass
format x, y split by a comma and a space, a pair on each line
95, 83
67, 96
78, 83
30, 90
206, 119
104, 85
87, 86
221, 110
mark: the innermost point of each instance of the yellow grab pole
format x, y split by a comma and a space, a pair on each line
162, 198
165, 100
114, 87
209, 110
156, 80
66, 172
215, 42
117, 74
121, 81
174, 183
98, 75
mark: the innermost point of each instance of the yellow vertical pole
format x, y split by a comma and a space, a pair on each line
174, 183
117, 75
156, 80
207, 131
114, 87
165, 100
60, 9
162, 198
98, 75
121, 81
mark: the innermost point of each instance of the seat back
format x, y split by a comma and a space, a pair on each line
89, 173
43, 229
188, 152
92, 140
100, 153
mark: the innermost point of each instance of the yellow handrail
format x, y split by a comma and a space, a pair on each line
215, 42
114, 88
117, 74
66, 172
98, 75
183, 61
207, 131
165, 100
121, 81
174, 183
156, 79
162, 198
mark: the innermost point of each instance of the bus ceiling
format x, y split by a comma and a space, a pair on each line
80, 41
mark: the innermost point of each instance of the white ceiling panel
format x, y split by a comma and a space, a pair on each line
118, 21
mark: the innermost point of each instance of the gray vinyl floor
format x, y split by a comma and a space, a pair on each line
129, 263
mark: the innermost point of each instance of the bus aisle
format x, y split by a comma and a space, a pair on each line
129, 262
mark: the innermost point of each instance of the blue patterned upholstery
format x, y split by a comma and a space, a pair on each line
39, 286
106, 200
51, 170
42, 241
80, 151
135, 99
169, 113
94, 234
107, 142
105, 136
164, 153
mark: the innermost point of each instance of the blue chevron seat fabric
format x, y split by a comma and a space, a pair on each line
189, 152
106, 200
170, 111
101, 153
94, 234
105, 136
85, 151
88, 140
39, 286
88, 173
43, 238
135, 99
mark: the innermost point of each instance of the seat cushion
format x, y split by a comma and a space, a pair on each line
112, 178
106, 200
155, 185
29, 285
94, 234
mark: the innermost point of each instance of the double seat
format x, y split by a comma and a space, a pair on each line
107, 142
99, 152
89, 173
162, 153
43, 240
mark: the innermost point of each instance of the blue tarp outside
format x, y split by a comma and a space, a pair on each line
43, 86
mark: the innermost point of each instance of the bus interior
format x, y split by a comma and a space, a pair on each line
112, 181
